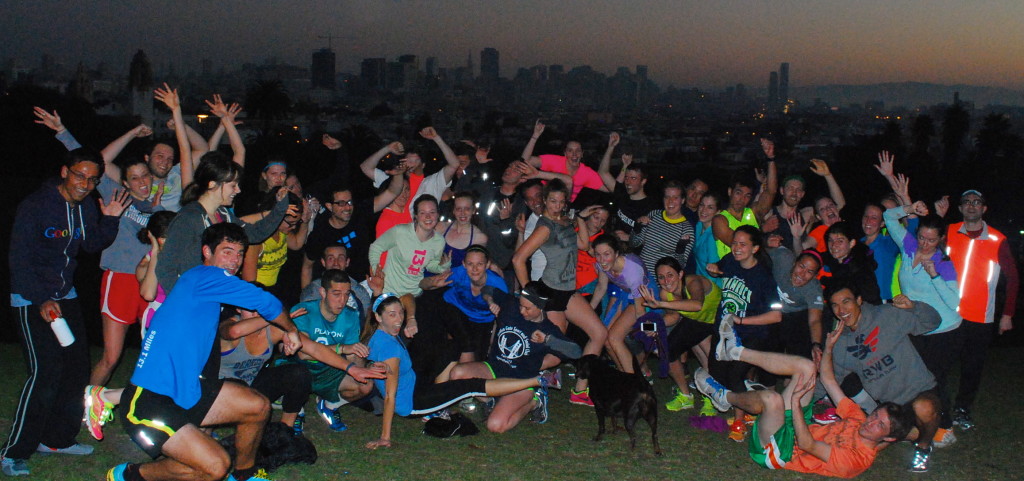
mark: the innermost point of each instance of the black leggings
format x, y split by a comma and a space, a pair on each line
433, 397
291, 380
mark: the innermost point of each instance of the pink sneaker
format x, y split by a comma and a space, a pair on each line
97, 411
581, 398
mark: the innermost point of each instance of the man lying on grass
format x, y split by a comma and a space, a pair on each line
783, 441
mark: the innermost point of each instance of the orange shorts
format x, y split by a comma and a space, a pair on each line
120, 299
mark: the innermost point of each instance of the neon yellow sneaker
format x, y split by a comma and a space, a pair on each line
708, 409
680, 401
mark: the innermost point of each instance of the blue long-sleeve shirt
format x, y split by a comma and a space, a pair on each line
183, 330
940, 291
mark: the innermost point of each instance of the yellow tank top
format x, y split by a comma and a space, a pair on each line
748, 218
275, 252
707, 311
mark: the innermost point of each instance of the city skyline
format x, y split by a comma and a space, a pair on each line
698, 44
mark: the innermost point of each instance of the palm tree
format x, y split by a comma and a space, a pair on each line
267, 102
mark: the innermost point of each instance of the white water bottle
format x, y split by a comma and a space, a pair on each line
62, 331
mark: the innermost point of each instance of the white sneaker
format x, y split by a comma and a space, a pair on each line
712, 389
729, 346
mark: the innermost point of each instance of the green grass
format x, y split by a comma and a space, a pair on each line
563, 448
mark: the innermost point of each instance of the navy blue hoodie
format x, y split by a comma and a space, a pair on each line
47, 234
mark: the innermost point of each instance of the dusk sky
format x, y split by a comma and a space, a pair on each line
685, 43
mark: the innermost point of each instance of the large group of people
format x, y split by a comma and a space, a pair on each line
484, 278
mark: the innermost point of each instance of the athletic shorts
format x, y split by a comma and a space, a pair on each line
559, 300
120, 298
686, 334
779, 449
150, 419
326, 381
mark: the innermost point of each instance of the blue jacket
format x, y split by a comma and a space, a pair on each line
47, 235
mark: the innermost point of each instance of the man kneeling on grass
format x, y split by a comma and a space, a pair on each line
783, 441
170, 397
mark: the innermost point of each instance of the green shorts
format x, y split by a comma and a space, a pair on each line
779, 449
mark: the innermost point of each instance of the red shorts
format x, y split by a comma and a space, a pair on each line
120, 299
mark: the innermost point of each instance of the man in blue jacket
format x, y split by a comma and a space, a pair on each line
50, 227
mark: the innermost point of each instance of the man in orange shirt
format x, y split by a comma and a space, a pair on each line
842, 449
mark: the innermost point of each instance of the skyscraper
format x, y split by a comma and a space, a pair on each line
784, 82
773, 89
489, 67
373, 71
323, 70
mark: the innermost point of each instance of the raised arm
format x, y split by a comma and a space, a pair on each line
370, 164
114, 148
532, 172
820, 168
604, 168
538, 128
227, 120
383, 199
449, 155
170, 98
766, 198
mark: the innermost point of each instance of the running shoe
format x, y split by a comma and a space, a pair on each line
920, 462
331, 416
680, 401
729, 346
74, 450
97, 411
14, 467
554, 377
260, 475
117, 472
962, 419
581, 398
443, 414
708, 409
540, 412
738, 430
300, 421
943, 437
828, 416
712, 389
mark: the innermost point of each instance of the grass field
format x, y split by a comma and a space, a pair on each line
563, 448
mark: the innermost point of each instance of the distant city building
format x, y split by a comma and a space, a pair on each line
784, 82
323, 73
489, 67
641, 73
140, 88
555, 71
430, 67
773, 89
373, 72
409, 59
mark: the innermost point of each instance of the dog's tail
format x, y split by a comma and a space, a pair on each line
636, 369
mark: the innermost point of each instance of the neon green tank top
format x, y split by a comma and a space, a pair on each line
707, 311
275, 252
748, 218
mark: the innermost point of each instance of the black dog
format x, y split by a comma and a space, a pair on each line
616, 393
278, 447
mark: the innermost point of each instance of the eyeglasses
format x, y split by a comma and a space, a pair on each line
83, 178
972, 202
342, 203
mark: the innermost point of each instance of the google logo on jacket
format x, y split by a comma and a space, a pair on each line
57, 233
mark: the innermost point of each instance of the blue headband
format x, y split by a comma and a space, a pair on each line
276, 162
381, 298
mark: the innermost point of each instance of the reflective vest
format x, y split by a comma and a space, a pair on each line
977, 267
748, 218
